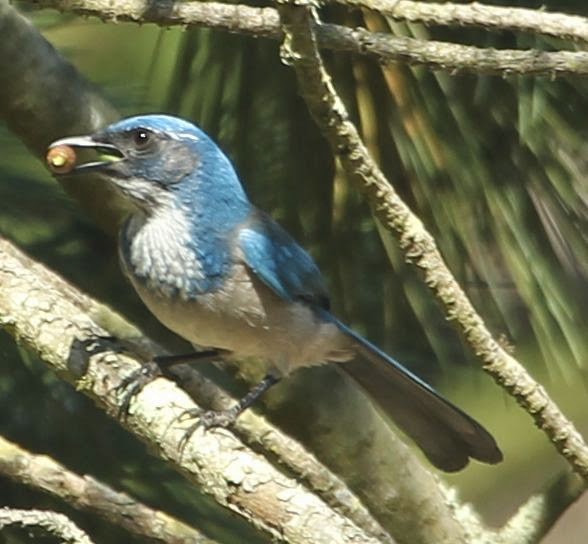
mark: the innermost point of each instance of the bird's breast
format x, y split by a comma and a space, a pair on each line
163, 255
236, 312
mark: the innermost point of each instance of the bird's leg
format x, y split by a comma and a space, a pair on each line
157, 366
225, 418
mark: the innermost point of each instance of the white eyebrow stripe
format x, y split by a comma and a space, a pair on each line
181, 135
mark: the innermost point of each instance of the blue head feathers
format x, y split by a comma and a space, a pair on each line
151, 158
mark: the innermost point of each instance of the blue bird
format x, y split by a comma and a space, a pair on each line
223, 275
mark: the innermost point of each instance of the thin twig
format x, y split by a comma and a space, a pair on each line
451, 57
264, 22
46, 522
496, 18
86, 493
301, 51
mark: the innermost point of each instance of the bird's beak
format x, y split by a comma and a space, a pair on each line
62, 157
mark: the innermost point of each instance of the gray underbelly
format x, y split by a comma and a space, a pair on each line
251, 321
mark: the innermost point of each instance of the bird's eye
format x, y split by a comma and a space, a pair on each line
141, 138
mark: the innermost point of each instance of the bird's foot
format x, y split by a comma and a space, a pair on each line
225, 418
134, 383
206, 419
210, 419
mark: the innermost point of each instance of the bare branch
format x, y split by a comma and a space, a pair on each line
450, 57
256, 432
49, 523
237, 18
300, 50
534, 519
59, 323
498, 18
85, 493
264, 22
70, 311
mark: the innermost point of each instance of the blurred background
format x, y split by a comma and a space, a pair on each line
496, 168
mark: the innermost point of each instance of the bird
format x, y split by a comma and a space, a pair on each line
223, 275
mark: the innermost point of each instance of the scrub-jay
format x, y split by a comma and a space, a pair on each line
223, 275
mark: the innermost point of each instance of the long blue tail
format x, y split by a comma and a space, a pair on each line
445, 434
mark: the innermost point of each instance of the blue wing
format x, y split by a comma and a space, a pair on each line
277, 260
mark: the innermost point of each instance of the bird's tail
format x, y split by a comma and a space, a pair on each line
445, 434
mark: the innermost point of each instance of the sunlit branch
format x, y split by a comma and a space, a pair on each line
301, 51
43, 473
48, 523
495, 18
264, 22
65, 327
450, 57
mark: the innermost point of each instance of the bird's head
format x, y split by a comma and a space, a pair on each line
151, 159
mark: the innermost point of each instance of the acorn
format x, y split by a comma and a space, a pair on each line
61, 159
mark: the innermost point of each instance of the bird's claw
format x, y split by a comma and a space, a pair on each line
207, 419
211, 419
134, 383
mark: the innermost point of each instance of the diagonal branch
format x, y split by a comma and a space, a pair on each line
450, 57
536, 517
497, 18
63, 327
301, 51
85, 493
385, 48
46, 522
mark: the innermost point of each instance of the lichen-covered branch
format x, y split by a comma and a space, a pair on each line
534, 519
264, 22
62, 325
43, 296
301, 51
86, 493
496, 18
45, 522
451, 57
255, 431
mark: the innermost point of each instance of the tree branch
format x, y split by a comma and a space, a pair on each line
498, 18
450, 57
85, 493
301, 51
526, 527
408, 499
534, 519
49, 523
257, 433
264, 22
62, 326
